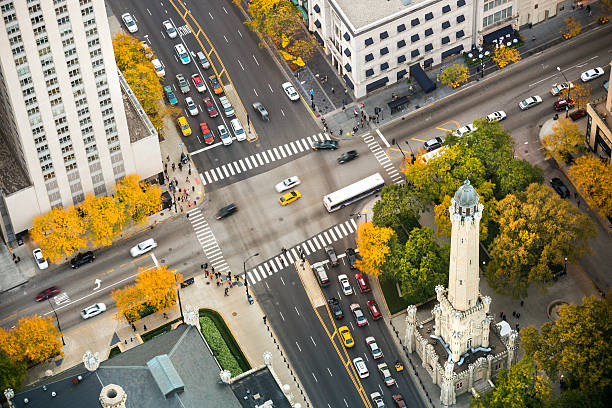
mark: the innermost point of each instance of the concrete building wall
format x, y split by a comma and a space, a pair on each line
537, 11
147, 155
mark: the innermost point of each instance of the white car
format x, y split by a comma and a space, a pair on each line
359, 316
385, 373
238, 129
129, 22
40, 259
360, 367
143, 247
291, 92
466, 130
374, 349
93, 310
558, 88
530, 102
170, 30
346, 286
159, 68
287, 183
226, 138
191, 106
377, 400
496, 116
591, 74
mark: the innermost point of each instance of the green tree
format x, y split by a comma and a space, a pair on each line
538, 230
515, 176
12, 374
396, 209
519, 387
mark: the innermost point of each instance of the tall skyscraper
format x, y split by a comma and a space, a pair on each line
62, 117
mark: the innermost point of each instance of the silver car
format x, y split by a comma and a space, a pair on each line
287, 183
143, 247
93, 310
170, 30
226, 138
183, 84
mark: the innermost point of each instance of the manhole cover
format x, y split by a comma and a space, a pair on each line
234, 314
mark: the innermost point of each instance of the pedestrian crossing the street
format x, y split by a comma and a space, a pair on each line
207, 241
262, 158
288, 257
383, 159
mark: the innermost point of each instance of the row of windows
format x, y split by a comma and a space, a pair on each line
498, 16
61, 10
494, 3
10, 17
12, 29
7, 7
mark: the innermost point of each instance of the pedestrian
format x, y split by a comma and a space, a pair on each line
229, 275
206, 274
213, 268
332, 89
340, 132
165, 315
168, 158
187, 179
504, 318
355, 112
193, 189
522, 303
166, 167
226, 291
513, 313
533, 38
14, 257
217, 283
517, 326
518, 315
144, 327
205, 265
133, 327
173, 166
264, 319
346, 91
180, 166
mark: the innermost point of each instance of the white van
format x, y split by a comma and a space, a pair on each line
159, 68
182, 54
320, 274
227, 106
432, 155
238, 129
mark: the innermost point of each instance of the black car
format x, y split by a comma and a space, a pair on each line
348, 156
82, 259
325, 145
227, 211
560, 187
331, 254
351, 257
335, 307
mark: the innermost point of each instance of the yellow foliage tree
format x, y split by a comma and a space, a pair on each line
565, 139
580, 94
128, 51
374, 247
594, 178
454, 76
138, 198
60, 233
8, 345
505, 55
572, 28
129, 302
105, 218
37, 338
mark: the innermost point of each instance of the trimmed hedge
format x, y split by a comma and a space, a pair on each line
114, 351
158, 330
222, 342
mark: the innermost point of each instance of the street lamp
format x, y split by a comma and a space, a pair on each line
565, 267
57, 319
481, 57
178, 292
246, 281
569, 89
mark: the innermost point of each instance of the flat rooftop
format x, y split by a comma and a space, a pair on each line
361, 13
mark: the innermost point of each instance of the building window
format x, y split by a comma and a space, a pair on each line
384, 35
445, 25
428, 32
384, 66
369, 57
445, 9
428, 16
460, 3
459, 384
428, 47
414, 38
401, 43
401, 58
445, 40
414, 53
460, 34
415, 22
460, 19
401, 28
369, 72
384, 51
369, 41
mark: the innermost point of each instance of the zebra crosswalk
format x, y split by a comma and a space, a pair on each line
261, 159
207, 240
383, 159
285, 259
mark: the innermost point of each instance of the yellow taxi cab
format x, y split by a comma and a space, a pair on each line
346, 337
182, 122
289, 197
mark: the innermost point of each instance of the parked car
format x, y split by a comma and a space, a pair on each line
348, 156
204, 63
530, 102
198, 83
496, 116
170, 95
170, 30
360, 367
374, 310
345, 335
182, 82
184, 125
129, 22
207, 134
289, 197
331, 255
191, 106
93, 310
181, 53
346, 286
290, 91
465, 130
227, 211
591, 74
374, 349
158, 67
261, 110
48, 293
325, 145
577, 114
41, 262
377, 400
351, 257
560, 187
238, 129
226, 138
398, 399
210, 107
360, 318
385, 373
337, 312
143, 247
563, 104
362, 282
287, 183
433, 144
82, 259
558, 88
215, 85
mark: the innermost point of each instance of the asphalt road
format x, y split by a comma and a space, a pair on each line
235, 56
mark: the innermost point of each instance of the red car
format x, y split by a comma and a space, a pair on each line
47, 293
374, 310
207, 134
563, 104
210, 107
362, 282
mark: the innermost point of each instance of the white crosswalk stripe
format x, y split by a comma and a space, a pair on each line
383, 159
207, 240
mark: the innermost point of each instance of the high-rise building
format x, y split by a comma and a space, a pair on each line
63, 127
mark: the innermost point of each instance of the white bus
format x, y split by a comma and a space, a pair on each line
356, 191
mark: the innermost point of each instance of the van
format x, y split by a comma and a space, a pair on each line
203, 60
159, 68
227, 106
425, 158
182, 54
320, 274
238, 129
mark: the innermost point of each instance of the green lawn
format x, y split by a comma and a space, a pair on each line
394, 302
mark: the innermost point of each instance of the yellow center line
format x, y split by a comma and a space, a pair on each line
444, 129
418, 140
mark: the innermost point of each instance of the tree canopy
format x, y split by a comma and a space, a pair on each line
564, 140
594, 179
396, 209
374, 245
454, 75
12, 373
140, 199
104, 217
60, 233
503, 56
33, 340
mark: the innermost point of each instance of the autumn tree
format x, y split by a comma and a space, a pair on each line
129, 302
537, 230
396, 209
37, 339
454, 76
576, 346
520, 386
128, 52
505, 55
8, 345
579, 93
374, 245
139, 199
564, 140
594, 179
104, 217
12, 373
572, 28
59, 232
